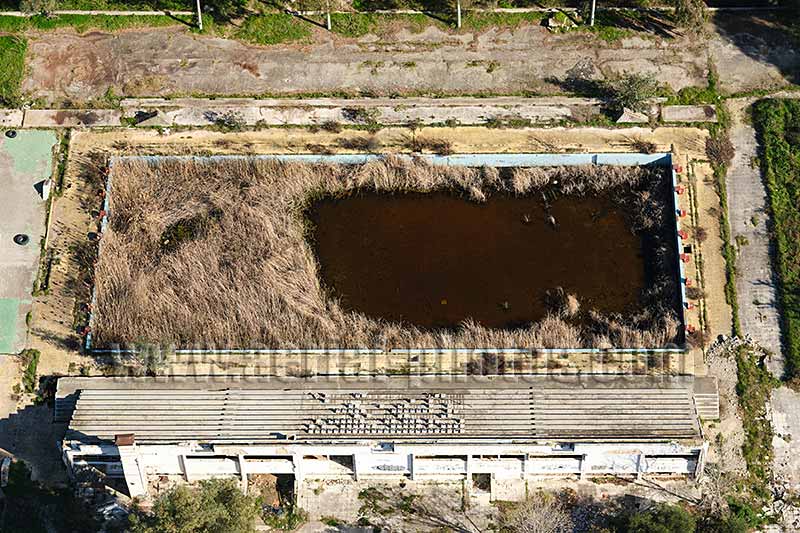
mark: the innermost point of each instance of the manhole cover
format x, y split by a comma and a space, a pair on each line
21, 239
11, 134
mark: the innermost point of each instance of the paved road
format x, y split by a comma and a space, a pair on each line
747, 200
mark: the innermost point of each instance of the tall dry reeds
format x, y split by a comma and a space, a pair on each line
243, 275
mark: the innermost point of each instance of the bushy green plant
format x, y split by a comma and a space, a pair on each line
631, 91
662, 518
690, 14
216, 505
30, 361
37, 6
288, 518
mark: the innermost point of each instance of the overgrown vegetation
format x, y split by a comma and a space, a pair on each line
754, 383
12, 60
286, 518
215, 505
273, 28
548, 512
778, 125
690, 14
631, 91
249, 278
720, 152
29, 359
754, 388
85, 23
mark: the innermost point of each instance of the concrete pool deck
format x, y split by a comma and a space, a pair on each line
25, 161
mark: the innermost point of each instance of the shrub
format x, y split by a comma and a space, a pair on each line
645, 147
216, 505
360, 144
720, 150
662, 518
437, 146
37, 6
541, 513
360, 115
690, 14
228, 121
487, 364
631, 91
30, 361
331, 126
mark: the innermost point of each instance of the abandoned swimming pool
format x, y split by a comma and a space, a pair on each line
608, 276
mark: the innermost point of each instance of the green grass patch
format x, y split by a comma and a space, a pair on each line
609, 34
381, 24
273, 28
355, 24
133, 5
613, 26
474, 21
778, 126
84, 23
360, 24
708, 95
12, 69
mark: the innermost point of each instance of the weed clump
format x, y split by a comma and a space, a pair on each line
720, 150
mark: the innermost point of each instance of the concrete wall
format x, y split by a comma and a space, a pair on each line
379, 460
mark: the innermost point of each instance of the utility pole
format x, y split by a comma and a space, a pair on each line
591, 17
458, 14
328, 14
199, 17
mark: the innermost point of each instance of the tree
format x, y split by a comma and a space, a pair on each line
542, 513
690, 14
37, 6
631, 91
663, 518
216, 506
31, 507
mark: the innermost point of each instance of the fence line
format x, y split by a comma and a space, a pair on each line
99, 12
132, 13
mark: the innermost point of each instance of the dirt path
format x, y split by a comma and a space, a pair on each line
170, 61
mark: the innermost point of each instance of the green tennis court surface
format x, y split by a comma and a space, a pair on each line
25, 161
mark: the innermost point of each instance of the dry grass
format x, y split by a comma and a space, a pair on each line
211, 254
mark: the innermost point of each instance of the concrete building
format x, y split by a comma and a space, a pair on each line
505, 428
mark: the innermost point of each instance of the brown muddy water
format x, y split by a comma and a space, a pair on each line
434, 260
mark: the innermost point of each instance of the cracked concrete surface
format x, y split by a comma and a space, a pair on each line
753, 51
749, 219
159, 62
